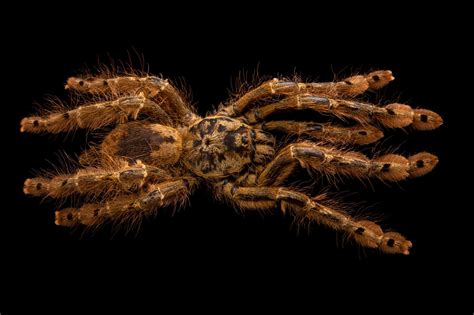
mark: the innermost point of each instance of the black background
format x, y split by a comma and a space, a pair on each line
207, 248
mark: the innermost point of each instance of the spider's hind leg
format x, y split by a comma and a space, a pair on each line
171, 192
152, 87
95, 115
117, 177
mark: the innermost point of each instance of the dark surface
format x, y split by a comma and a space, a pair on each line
208, 244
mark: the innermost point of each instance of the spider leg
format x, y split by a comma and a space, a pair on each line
349, 87
151, 86
328, 160
393, 115
156, 196
358, 134
115, 178
304, 208
92, 156
96, 115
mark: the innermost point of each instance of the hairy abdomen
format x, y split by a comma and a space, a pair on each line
151, 143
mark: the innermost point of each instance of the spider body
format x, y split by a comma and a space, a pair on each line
218, 146
153, 144
160, 149
212, 148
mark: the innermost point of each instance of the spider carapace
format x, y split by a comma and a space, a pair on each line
219, 146
158, 149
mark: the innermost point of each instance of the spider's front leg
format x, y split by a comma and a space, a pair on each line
173, 192
331, 99
351, 86
358, 134
304, 208
328, 160
393, 115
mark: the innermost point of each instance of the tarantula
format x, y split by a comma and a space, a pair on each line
160, 149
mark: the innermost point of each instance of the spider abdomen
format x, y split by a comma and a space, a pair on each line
153, 144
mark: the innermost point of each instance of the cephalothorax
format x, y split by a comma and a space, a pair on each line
160, 149
220, 146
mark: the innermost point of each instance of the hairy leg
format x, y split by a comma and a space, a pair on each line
151, 86
168, 193
304, 208
94, 116
349, 87
358, 134
118, 177
328, 160
393, 115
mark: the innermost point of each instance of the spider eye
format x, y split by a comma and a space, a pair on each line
245, 139
253, 134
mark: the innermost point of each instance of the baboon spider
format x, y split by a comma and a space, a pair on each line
160, 149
